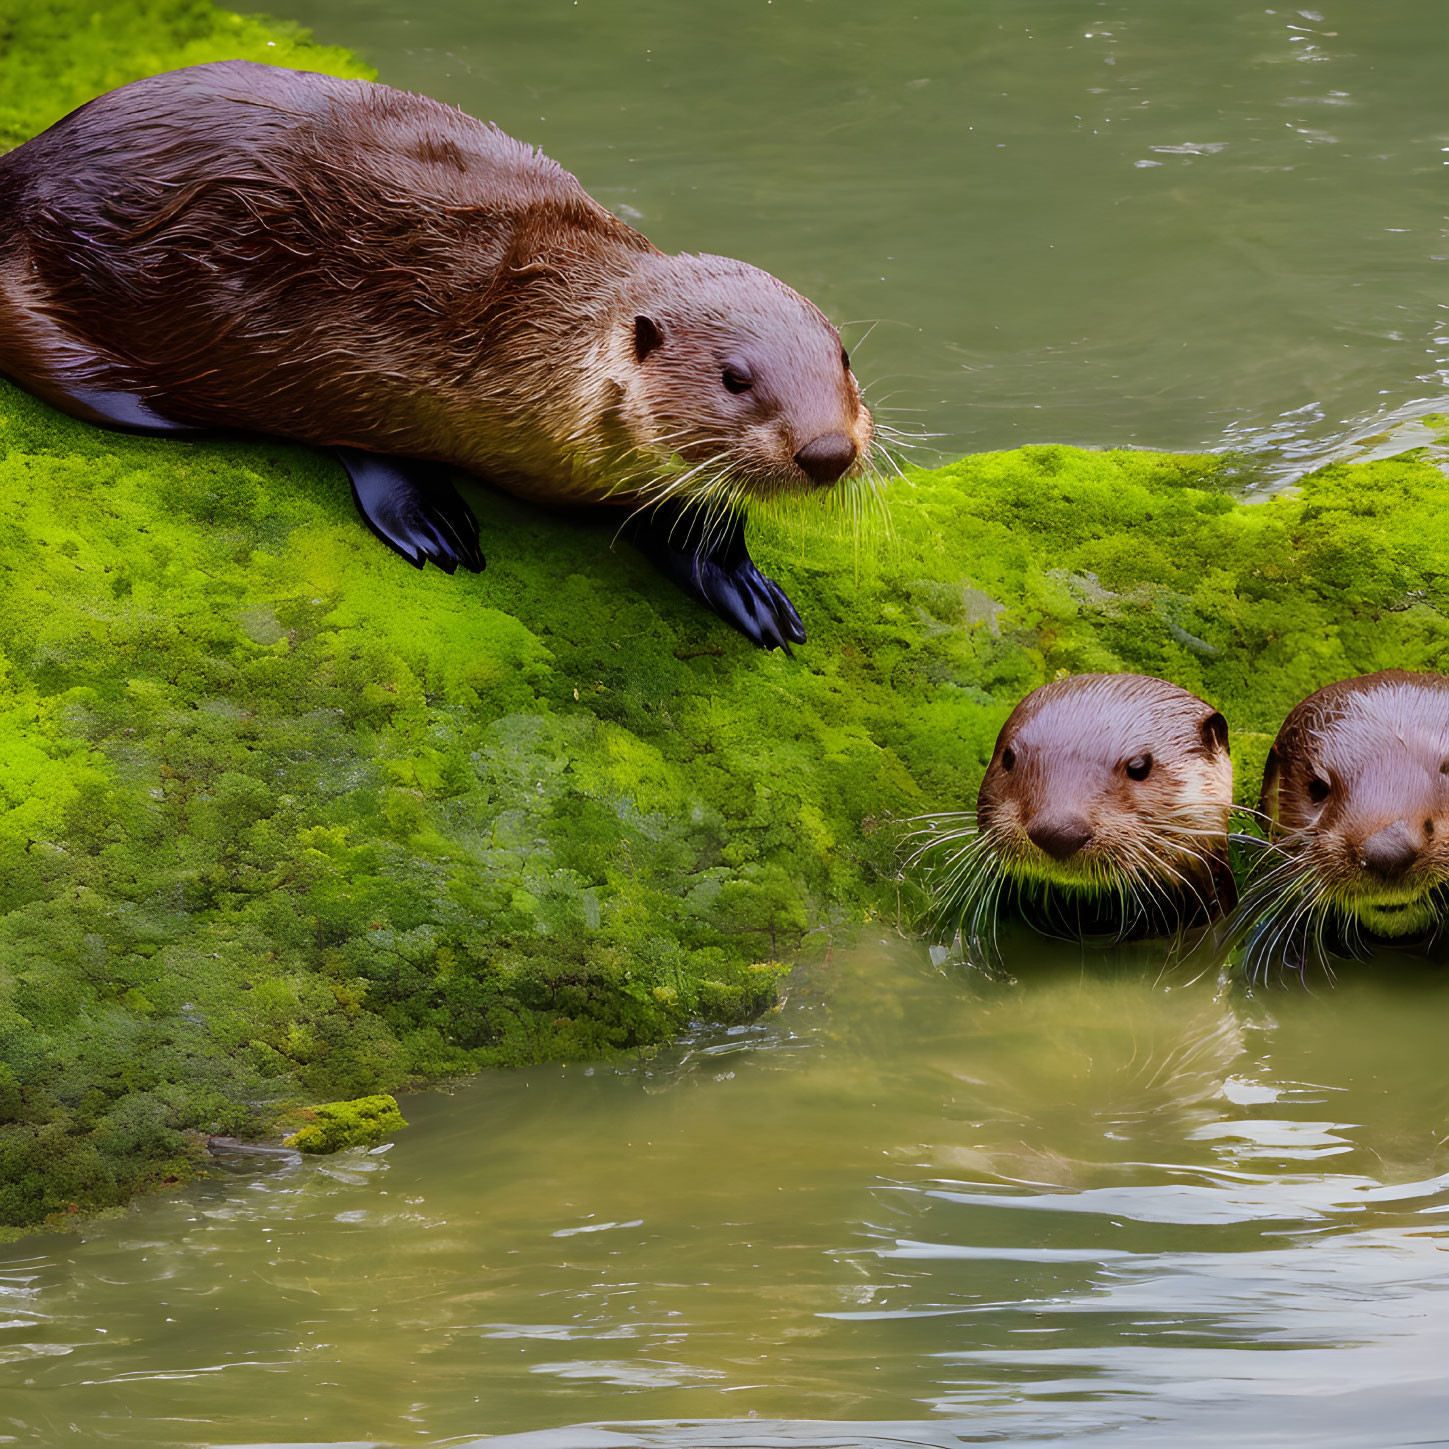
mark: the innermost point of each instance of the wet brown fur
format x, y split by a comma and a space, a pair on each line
1357, 789
343, 263
1060, 773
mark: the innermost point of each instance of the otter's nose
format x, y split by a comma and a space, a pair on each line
827, 457
1061, 839
1390, 852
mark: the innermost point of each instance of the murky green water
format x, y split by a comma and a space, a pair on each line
935, 1207
913, 1208
1166, 224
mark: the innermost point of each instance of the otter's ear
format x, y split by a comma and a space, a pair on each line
647, 337
1214, 733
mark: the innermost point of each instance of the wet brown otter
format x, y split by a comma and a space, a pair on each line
1356, 798
1104, 809
242, 247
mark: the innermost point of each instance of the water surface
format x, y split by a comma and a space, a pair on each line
928, 1207
1121, 222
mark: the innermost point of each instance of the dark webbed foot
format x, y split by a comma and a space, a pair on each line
414, 510
714, 566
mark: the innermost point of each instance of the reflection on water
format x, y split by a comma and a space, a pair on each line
926, 1207
1097, 221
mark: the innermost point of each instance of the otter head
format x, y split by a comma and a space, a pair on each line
743, 379
1115, 788
1357, 793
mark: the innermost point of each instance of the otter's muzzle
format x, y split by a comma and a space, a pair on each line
827, 458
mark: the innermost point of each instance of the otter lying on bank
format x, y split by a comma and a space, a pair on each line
238, 246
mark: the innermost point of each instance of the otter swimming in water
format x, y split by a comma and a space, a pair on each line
1103, 811
1356, 801
237, 246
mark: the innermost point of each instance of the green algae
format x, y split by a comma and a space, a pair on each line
333, 1126
284, 821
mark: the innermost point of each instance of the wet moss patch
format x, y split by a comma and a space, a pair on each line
332, 1126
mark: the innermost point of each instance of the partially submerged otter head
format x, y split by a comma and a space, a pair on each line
1356, 796
741, 380
1104, 809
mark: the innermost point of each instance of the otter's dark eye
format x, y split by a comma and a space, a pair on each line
1008, 758
1318, 790
1444, 768
1139, 767
736, 379
845, 359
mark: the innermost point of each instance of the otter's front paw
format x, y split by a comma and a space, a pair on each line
755, 604
711, 563
413, 508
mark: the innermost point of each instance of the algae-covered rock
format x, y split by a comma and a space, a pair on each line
362, 1122
283, 820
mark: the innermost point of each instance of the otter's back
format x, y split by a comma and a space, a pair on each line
238, 121
213, 233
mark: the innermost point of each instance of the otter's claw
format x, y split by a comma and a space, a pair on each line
414, 510
715, 567
756, 605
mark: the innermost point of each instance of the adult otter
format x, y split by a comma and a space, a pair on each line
238, 246
1104, 810
1356, 799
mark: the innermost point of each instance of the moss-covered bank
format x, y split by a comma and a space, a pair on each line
283, 821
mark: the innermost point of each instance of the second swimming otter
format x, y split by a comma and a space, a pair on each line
1356, 799
1104, 810
243, 247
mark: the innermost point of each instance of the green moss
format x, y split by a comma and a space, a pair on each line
331, 1126
282, 820
285, 821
